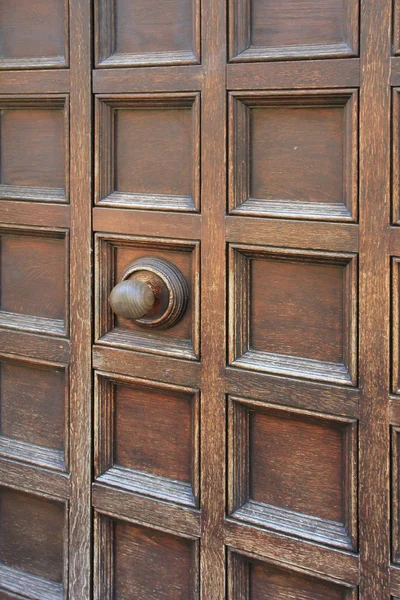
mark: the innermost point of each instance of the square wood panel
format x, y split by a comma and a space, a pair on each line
251, 579
138, 562
34, 148
396, 157
395, 325
293, 472
147, 437
162, 171
34, 34
34, 280
34, 412
294, 312
290, 29
32, 539
139, 33
396, 28
395, 520
294, 155
113, 255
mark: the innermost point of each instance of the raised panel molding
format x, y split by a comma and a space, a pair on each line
160, 173
252, 579
34, 35
138, 445
114, 253
33, 260
293, 312
144, 33
292, 29
133, 561
34, 412
34, 148
294, 155
293, 471
33, 545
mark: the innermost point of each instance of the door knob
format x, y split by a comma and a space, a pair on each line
152, 292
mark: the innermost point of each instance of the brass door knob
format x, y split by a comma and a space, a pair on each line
152, 292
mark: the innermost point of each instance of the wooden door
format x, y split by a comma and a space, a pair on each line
233, 167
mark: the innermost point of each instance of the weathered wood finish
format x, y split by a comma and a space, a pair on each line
250, 450
45, 312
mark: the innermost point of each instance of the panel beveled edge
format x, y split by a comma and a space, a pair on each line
395, 494
240, 31
240, 200
240, 353
36, 193
105, 42
105, 195
396, 28
104, 442
16, 581
396, 156
154, 343
27, 451
239, 562
30, 323
45, 62
395, 308
241, 507
104, 555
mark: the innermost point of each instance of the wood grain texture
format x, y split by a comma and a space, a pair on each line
316, 235
147, 79
269, 545
34, 478
213, 294
125, 221
311, 74
35, 82
141, 509
374, 289
81, 300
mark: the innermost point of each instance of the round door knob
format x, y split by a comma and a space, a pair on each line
152, 292
132, 299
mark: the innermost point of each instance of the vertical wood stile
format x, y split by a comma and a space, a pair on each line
374, 287
81, 300
213, 300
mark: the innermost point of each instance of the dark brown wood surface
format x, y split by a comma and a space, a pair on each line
250, 449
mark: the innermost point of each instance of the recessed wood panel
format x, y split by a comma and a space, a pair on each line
147, 438
162, 171
114, 255
33, 34
254, 580
396, 150
139, 562
34, 149
287, 29
294, 472
139, 33
395, 520
294, 312
295, 155
33, 412
33, 277
32, 531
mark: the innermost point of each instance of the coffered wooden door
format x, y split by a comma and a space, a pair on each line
199, 300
